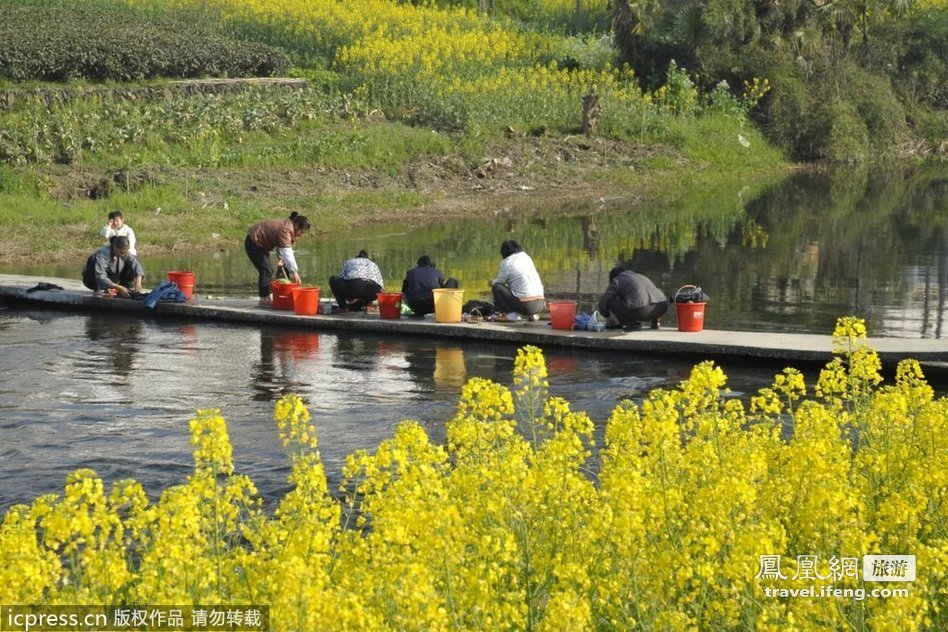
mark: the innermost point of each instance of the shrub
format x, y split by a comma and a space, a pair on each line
59, 44
913, 52
844, 135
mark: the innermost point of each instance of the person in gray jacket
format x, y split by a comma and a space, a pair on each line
112, 267
632, 298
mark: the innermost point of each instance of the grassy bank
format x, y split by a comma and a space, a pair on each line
195, 171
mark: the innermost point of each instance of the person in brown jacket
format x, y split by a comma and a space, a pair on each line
267, 235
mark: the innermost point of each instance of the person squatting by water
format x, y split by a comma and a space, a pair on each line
264, 237
517, 287
358, 284
419, 283
118, 228
632, 298
113, 267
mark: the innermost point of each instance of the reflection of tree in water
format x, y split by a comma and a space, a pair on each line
830, 244
591, 237
121, 336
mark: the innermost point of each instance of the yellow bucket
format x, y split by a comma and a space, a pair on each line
448, 303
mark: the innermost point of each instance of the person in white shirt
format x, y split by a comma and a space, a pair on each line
118, 228
517, 287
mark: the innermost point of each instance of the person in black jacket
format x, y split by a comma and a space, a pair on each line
632, 298
419, 282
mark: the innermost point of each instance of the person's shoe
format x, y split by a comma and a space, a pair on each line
632, 327
534, 317
656, 324
265, 302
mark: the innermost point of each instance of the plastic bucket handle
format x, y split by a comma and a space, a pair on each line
683, 287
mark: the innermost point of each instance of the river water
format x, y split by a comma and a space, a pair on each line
115, 393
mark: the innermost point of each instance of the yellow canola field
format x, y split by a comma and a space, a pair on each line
451, 64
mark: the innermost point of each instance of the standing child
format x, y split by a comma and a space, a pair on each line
118, 228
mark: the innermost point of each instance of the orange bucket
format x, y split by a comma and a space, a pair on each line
690, 315
184, 279
283, 294
562, 314
390, 304
306, 300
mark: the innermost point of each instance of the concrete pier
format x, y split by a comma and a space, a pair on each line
771, 347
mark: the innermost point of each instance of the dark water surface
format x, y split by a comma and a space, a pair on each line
115, 393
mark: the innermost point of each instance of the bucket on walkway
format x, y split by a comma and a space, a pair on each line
448, 303
690, 315
562, 314
306, 301
184, 280
390, 304
283, 294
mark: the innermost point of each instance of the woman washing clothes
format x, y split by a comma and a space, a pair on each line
262, 238
517, 289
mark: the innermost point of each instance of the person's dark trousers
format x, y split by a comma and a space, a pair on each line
505, 301
631, 317
423, 306
260, 258
353, 293
88, 274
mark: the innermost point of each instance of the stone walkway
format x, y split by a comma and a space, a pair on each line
770, 346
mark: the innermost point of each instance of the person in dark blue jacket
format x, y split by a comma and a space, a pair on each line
418, 283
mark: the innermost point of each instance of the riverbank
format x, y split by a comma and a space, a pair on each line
392, 173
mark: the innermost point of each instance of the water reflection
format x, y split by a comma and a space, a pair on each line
281, 354
787, 256
117, 341
449, 370
114, 393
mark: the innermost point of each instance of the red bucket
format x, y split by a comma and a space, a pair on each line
306, 301
690, 315
184, 280
283, 294
390, 304
562, 314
